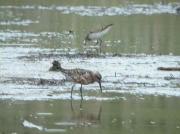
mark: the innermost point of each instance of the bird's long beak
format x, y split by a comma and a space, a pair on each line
100, 86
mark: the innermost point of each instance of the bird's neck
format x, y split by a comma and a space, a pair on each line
55, 68
68, 73
106, 29
108, 26
63, 70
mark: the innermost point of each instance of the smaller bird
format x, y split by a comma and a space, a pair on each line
77, 75
98, 34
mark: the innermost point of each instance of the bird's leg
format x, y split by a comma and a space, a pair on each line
97, 42
72, 90
100, 45
81, 92
85, 42
100, 42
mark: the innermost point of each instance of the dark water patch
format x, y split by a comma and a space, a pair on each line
171, 78
67, 53
41, 56
32, 81
169, 68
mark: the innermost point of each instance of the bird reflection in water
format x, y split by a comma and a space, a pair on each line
84, 117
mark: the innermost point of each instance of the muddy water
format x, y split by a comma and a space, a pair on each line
136, 98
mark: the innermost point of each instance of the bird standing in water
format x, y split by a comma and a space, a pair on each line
97, 35
77, 75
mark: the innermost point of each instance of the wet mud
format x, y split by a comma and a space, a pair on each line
122, 73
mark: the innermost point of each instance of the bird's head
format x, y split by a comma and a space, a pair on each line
56, 66
56, 63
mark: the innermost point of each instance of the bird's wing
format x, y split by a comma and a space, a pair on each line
82, 71
81, 75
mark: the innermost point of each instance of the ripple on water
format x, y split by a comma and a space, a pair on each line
19, 22
32, 37
28, 124
130, 9
44, 114
65, 123
31, 125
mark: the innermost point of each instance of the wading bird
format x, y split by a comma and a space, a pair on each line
77, 75
97, 35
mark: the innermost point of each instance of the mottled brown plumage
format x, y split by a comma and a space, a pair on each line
77, 75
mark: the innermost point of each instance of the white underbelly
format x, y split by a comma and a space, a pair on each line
97, 35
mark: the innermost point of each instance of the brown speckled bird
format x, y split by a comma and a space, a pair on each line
77, 75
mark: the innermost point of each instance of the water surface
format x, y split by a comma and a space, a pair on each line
136, 98
136, 114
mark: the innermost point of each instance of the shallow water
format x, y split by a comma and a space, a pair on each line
136, 114
139, 27
136, 98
